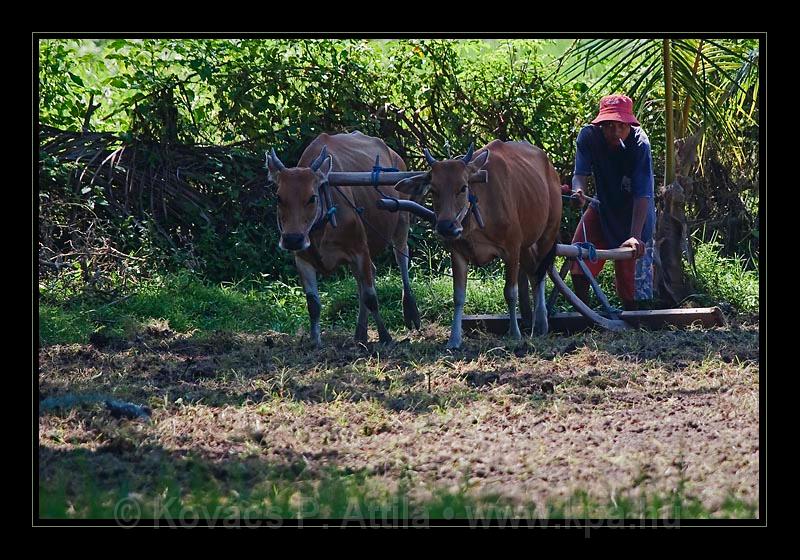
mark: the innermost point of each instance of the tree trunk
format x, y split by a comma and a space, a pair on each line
672, 235
669, 171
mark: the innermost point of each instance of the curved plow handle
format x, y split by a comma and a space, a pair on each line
585, 310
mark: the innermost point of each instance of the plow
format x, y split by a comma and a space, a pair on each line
584, 317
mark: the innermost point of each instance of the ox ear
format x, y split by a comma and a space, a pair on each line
477, 164
325, 168
274, 165
415, 186
272, 173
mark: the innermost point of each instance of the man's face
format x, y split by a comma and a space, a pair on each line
614, 131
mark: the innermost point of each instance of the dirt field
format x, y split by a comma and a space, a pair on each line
607, 417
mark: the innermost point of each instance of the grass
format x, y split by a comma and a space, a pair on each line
292, 493
725, 279
188, 303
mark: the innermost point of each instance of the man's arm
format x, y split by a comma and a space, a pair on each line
640, 207
642, 188
579, 183
583, 167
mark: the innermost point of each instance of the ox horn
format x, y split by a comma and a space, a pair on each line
429, 157
468, 156
275, 161
320, 158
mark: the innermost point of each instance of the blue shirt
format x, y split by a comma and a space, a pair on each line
620, 176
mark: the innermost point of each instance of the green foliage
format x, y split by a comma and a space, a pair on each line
258, 94
225, 102
726, 280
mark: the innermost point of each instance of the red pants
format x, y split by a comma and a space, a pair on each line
625, 269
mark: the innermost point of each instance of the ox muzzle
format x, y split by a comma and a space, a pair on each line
294, 242
449, 229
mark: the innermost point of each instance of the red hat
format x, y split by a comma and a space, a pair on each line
616, 108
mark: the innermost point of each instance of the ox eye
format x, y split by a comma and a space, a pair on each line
279, 200
313, 199
463, 188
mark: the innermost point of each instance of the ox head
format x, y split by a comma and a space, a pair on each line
448, 183
299, 204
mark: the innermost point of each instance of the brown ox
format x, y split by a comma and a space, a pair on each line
318, 246
521, 209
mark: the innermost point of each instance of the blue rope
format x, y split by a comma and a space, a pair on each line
589, 247
359, 210
376, 170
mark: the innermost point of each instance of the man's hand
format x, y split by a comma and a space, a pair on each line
578, 199
636, 244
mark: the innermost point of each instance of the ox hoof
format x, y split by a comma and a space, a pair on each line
453, 345
514, 335
412, 323
540, 329
411, 313
361, 336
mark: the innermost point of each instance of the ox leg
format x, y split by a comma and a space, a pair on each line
410, 310
308, 276
369, 296
361, 322
459, 297
532, 261
511, 294
540, 326
524, 300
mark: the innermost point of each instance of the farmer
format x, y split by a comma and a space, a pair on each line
616, 151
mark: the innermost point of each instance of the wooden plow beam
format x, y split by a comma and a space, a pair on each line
384, 178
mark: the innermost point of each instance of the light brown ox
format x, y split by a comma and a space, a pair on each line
356, 240
521, 209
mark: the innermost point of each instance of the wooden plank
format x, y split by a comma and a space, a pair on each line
498, 324
657, 318
706, 317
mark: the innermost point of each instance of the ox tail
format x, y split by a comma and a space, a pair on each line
546, 263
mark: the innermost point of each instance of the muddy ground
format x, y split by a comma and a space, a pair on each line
608, 416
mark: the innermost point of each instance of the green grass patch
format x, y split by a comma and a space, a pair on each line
722, 279
293, 493
189, 303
